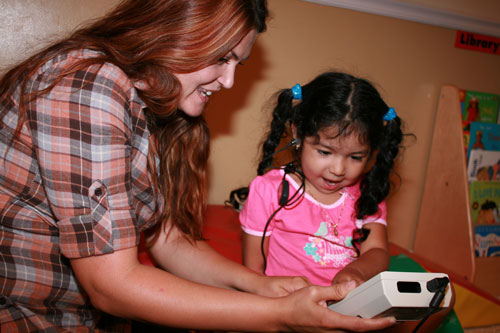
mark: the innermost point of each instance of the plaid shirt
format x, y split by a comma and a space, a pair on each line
74, 184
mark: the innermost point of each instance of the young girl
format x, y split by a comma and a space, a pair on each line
311, 217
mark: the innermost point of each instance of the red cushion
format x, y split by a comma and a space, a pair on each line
221, 229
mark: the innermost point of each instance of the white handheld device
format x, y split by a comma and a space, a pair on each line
403, 295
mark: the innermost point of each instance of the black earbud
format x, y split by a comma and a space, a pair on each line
293, 142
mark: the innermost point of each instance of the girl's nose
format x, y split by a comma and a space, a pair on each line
226, 79
337, 167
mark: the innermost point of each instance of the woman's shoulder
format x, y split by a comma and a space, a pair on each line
90, 71
102, 87
99, 78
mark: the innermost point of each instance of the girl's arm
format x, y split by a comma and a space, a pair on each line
177, 255
118, 284
251, 252
374, 257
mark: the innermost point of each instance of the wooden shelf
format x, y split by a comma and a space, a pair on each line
445, 232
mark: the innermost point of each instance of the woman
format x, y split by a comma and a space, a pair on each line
102, 138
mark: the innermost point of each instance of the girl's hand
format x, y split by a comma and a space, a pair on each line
278, 286
308, 312
374, 257
347, 274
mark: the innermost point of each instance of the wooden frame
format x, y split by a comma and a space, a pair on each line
445, 232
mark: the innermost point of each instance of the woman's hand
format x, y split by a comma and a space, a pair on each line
309, 311
277, 286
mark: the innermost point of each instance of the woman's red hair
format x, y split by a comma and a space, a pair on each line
150, 40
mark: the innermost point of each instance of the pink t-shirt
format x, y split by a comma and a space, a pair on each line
302, 239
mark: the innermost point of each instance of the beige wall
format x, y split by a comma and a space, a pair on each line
28, 25
408, 61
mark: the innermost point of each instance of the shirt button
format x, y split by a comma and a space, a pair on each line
98, 192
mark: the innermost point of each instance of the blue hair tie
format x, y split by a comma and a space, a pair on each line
390, 115
297, 91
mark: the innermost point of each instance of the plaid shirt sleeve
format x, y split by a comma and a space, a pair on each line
82, 133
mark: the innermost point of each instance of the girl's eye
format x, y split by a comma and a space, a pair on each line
323, 152
224, 60
357, 158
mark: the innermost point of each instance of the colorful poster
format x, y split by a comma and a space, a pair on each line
480, 107
485, 136
484, 202
487, 240
484, 165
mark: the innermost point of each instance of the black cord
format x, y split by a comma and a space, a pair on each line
284, 202
439, 286
264, 236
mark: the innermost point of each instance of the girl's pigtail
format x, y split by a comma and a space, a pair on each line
376, 185
281, 115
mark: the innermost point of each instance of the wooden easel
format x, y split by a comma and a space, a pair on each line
445, 232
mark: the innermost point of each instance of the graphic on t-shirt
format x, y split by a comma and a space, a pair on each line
327, 249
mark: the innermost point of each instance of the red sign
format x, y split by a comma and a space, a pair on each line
477, 42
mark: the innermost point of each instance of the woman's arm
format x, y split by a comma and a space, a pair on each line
118, 284
178, 256
374, 257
